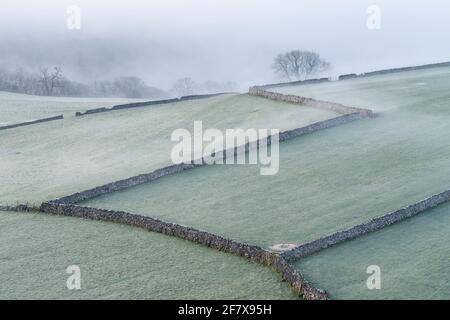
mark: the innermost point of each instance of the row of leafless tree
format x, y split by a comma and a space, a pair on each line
31, 83
52, 82
45, 82
292, 65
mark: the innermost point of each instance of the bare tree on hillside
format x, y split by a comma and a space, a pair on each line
313, 64
51, 80
281, 66
299, 65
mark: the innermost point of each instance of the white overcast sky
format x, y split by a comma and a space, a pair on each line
162, 40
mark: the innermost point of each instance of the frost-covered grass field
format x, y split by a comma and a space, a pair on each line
328, 181
49, 160
414, 257
16, 108
384, 92
120, 262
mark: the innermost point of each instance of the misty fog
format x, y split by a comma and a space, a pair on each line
161, 41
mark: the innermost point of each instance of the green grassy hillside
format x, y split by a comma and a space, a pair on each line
120, 262
413, 257
49, 160
328, 181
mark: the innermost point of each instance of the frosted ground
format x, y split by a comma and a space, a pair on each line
383, 92
328, 181
120, 262
414, 257
49, 160
16, 108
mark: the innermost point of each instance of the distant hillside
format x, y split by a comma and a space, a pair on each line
52, 82
153, 93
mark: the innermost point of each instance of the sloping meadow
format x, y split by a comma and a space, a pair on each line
49, 160
38, 256
328, 181
16, 108
413, 258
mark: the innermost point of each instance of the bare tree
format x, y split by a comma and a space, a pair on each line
50, 81
183, 87
281, 66
295, 60
313, 64
299, 64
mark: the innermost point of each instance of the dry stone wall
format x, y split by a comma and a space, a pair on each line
324, 105
354, 75
154, 175
404, 69
28, 123
147, 103
278, 262
123, 184
18, 208
294, 83
368, 227
251, 252
321, 125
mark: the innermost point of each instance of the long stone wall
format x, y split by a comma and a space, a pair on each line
65, 206
404, 69
293, 83
123, 184
251, 252
18, 208
324, 105
354, 75
28, 123
147, 103
254, 253
154, 175
368, 227
317, 126
278, 262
